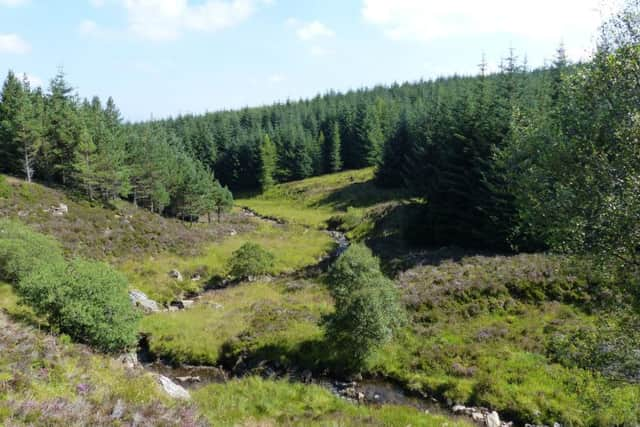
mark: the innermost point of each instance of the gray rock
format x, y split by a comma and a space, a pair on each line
493, 420
459, 408
140, 299
129, 360
173, 389
118, 410
175, 274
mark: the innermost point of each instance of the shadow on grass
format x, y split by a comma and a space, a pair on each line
397, 240
317, 357
360, 195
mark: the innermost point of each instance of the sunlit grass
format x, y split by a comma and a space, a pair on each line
254, 401
293, 247
314, 201
276, 314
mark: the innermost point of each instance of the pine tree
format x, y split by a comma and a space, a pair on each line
21, 116
63, 131
333, 150
268, 161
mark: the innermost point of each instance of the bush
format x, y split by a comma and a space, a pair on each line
250, 259
5, 188
23, 250
86, 300
367, 307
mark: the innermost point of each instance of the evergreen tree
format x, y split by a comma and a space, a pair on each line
268, 160
333, 149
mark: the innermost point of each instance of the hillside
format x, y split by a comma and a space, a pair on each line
486, 331
68, 384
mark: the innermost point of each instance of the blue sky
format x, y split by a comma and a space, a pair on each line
165, 57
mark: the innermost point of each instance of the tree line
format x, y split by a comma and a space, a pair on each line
59, 138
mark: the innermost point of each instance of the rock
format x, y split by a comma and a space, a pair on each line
181, 305
196, 278
59, 210
175, 274
118, 410
140, 299
459, 408
306, 376
477, 417
493, 420
129, 360
173, 389
233, 233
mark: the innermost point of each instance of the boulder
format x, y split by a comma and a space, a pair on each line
173, 389
196, 278
493, 420
129, 360
140, 299
175, 274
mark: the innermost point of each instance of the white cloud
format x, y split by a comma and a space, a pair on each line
168, 19
427, 20
313, 30
13, 43
97, 3
13, 3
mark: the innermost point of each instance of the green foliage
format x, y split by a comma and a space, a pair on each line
367, 306
23, 251
574, 158
5, 188
84, 299
268, 159
610, 347
250, 259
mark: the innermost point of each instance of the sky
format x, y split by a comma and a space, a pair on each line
161, 58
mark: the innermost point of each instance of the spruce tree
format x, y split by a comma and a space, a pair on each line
268, 161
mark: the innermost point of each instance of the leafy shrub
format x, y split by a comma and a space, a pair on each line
5, 188
86, 300
250, 259
23, 250
367, 307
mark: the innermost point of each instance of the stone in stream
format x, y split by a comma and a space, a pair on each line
493, 420
140, 299
173, 389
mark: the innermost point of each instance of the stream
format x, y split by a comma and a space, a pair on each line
375, 392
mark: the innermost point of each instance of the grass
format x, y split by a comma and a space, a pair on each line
45, 380
294, 247
480, 333
258, 317
253, 401
315, 201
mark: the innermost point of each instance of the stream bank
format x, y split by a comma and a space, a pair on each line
367, 391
